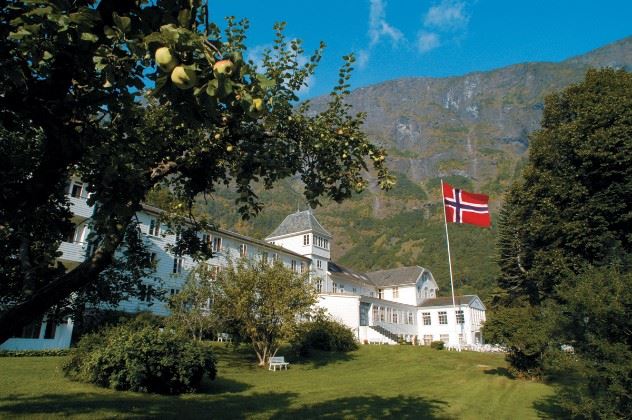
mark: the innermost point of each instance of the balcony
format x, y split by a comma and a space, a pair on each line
79, 207
74, 253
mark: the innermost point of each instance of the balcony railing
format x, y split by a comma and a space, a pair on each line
79, 207
75, 251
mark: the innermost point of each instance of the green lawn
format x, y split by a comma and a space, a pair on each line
373, 382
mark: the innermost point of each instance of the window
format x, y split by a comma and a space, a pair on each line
319, 285
214, 271
51, 326
426, 318
294, 265
427, 339
243, 250
319, 263
306, 239
411, 320
335, 287
354, 290
31, 330
76, 190
154, 227
264, 257
445, 338
460, 317
78, 235
326, 243
217, 244
395, 292
380, 294
275, 257
395, 317
302, 267
376, 314
443, 317
145, 293
177, 265
342, 288
173, 292
461, 340
389, 315
381, 314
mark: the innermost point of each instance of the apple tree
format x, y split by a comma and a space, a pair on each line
130, 95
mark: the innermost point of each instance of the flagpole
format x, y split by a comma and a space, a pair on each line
447, 239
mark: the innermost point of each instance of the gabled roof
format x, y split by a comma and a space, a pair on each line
300, 221
447, 301
395, 276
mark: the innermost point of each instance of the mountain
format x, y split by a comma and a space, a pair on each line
471, 130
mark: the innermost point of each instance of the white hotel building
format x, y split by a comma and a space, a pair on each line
385, 306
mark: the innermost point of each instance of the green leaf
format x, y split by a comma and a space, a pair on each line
124, 23
224, 88
211, 89
19, 34
87, 36
265, 82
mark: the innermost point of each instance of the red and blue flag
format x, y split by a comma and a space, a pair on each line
466, 207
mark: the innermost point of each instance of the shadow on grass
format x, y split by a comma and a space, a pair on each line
317, 359
369, 407
134, 405
222, 385
500, 371
550, 408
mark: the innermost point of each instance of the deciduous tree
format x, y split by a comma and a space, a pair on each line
263, 303
75, 79
565, 228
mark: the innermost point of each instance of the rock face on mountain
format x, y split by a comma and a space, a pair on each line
471, 130
475, 125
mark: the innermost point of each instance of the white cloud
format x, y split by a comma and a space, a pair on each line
378, 26
427, 41
449, 15
362, 59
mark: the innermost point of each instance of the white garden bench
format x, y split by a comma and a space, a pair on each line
278, 362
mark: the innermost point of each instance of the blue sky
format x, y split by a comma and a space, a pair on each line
436, 38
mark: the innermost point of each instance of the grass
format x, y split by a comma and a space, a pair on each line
373, 382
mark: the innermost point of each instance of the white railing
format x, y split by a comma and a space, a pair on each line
80, 207
74, 251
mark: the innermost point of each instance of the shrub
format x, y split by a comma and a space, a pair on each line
324, 334
33, 353
97, 319
139, 357
438, 345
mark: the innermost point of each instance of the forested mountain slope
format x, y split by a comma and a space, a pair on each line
470, 130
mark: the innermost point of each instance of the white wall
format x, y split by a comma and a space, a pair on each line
452, 329
61, 340
342, 308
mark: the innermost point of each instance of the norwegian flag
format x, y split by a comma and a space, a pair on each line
465, 207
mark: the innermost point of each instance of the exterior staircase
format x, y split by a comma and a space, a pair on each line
390, 337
